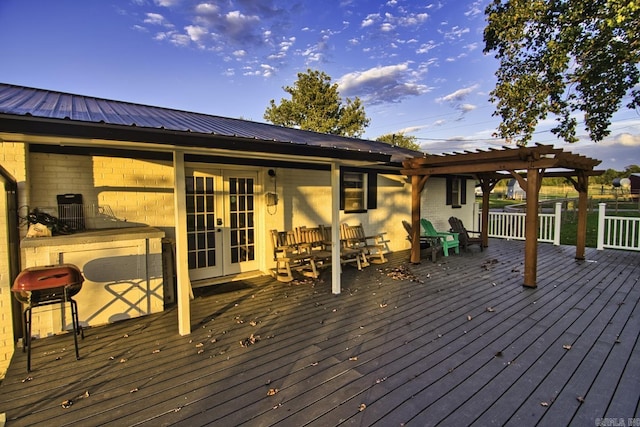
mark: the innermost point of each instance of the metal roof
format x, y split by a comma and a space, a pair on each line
47, 104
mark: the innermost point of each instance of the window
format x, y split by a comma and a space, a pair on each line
358, 191
456, 191
353, 185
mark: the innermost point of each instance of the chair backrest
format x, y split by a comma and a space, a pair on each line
428, 227
407, 227
311, 236
458, 227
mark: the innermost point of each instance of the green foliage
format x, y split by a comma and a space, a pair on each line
560, 57
608, 176
401, 140
316, 105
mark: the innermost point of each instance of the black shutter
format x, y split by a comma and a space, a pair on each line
463, 190
341, 190
372, 190
449, 191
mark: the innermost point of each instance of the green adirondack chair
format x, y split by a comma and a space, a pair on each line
448, 240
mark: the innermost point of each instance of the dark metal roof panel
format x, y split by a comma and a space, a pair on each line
20, 100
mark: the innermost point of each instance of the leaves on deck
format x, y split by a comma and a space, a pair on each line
362, 407
272, 391
488, 264
252, 339
401, 272
567, 346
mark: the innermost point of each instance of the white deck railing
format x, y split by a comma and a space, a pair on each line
511, 225
617, 232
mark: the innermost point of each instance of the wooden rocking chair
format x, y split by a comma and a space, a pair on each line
372, 246
289, 255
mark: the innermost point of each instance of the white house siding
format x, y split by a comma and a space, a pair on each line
12, 158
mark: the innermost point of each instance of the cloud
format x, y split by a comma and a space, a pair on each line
379, 85
167, 3
370, 20
455, 100
196, 33
426, 47
458, 95
154, 19
626, 139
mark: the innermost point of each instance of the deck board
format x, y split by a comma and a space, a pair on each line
464, 343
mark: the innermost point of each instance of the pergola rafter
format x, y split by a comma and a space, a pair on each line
528, 165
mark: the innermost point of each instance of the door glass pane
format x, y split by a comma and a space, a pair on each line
201, 214
241, 216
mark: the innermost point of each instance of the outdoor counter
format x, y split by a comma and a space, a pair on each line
122, 269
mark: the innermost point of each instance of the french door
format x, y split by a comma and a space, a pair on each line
221, 232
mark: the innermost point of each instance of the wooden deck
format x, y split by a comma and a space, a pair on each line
457, 342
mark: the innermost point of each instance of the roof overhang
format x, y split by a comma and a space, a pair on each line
142, 138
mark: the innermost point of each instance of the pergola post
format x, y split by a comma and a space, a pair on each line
487, 185
531, 229
417, 185
581, 233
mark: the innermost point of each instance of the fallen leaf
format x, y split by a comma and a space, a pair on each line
156, 351
567, 347
362, 407
27, 379
199, 345
491, 309
272, 391
123, 360
580, 399
469, 317
382, 305
133, 390
67, 403
545, 404
353, 358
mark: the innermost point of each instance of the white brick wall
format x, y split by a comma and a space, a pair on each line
12, 159
137, 191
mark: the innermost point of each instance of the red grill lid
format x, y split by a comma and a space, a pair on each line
51, 276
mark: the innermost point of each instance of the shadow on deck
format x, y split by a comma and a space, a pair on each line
456, 342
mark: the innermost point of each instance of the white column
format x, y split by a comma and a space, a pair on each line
602, 211
557, 224
182, 265
335, 229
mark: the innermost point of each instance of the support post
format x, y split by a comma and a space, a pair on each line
531, 229
336, 285
581, 238
417, 184
557, 223
182, 265
602, 212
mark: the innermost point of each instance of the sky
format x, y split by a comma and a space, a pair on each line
417, 66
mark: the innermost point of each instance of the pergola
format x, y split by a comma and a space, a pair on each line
526, 164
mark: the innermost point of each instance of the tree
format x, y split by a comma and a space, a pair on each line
560, 57
401, 140
316, 105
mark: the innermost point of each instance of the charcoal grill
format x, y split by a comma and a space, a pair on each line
53, 284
